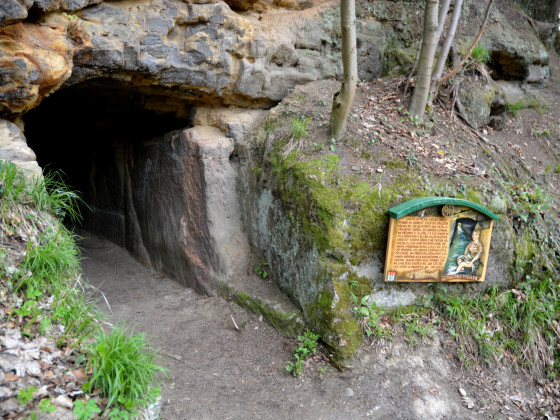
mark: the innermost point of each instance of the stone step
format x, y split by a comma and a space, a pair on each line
264, 298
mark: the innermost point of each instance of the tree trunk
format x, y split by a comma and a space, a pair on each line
442, 17
469, 52
342, 100
429, 46
444, 52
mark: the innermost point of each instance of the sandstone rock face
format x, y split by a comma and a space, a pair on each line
180, 176
517, 53
172, 202
205, 52
34, 61
13, 147
14, 11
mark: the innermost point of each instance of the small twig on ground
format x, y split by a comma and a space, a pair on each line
234, 323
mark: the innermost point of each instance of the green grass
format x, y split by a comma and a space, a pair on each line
371, 319
47, 193
516, 107
49, 280
299, 127
481, 54
517, 325
123, 369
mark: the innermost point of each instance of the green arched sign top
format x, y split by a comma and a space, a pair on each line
421, 203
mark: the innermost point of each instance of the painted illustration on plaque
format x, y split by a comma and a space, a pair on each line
438, 239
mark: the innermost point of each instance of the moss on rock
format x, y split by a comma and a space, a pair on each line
325, 226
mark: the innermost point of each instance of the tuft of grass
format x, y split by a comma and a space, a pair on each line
481, 54
13, 186
50, 193
299, 132
123, 368
516, 107
299, 127
516, 325
42, 193
51, 267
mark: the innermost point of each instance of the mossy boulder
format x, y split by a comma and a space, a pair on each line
323, 229
477, 100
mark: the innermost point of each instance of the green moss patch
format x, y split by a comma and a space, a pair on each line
288, 323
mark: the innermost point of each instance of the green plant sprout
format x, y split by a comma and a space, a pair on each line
307, 348
25, 395
299, 127
260, 270
46, 406
86, 410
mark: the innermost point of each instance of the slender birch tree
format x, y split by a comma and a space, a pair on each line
342, 100
428, 80
427, 53
444, 52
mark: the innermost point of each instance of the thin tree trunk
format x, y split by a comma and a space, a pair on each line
429, 46
469, 52
342, 100
444, 52
442, 17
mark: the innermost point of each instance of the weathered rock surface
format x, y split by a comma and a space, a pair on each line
13, 11
204, 51
180, 212
34, 62
476, 101
13, 147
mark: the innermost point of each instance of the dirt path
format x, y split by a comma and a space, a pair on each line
217, 372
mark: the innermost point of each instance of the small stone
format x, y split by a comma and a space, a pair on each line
64, 401
349, 392
9, 405
42, 392
355, 168
10, 343
462, 392
4, 392
468, 402
379, 170
75, 393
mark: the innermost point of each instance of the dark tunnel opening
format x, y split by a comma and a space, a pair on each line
92, 132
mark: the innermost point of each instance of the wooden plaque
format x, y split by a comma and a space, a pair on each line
438, 239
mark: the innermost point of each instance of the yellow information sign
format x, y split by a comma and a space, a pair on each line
443, 242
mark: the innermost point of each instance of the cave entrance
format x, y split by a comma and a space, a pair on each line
155, 183
95, 133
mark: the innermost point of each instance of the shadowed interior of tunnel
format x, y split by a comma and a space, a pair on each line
106, 138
